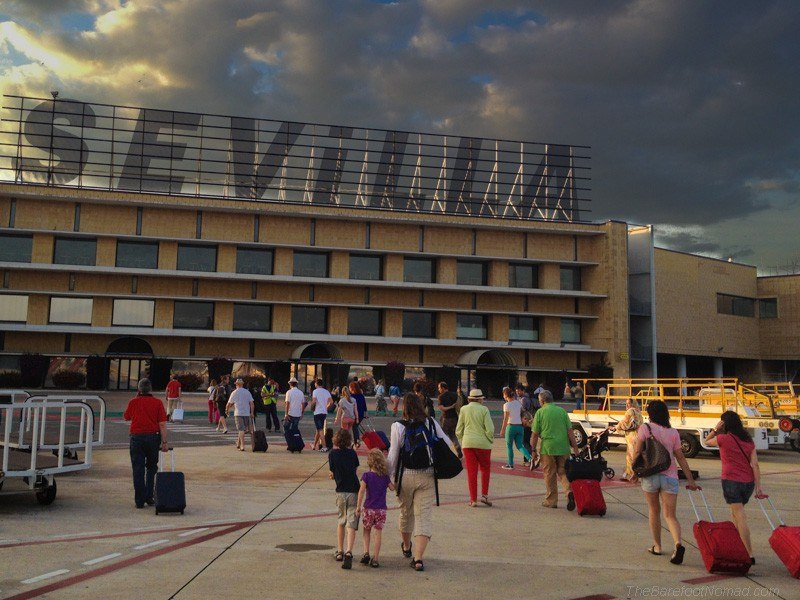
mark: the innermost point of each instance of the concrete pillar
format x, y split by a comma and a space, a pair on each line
718, 372
680, 365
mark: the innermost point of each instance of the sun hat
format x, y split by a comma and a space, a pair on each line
476, 394
293, 380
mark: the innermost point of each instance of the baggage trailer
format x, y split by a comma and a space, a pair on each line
785, 405
694, 405
40, 438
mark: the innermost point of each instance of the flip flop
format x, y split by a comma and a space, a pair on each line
677, 556
486, 501
406, 552
652, 550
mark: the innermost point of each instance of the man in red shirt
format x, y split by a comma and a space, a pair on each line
148, 436
173, 395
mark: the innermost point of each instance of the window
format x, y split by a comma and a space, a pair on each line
365, 267
13, 308
470, 273
419, 324
16, 248
736, 305
193, 257
363, 321
570, 331
768, 308
419, 270
133, 313
523, 329
257, 261
76, 311
523, 276
137, 255
471, 327
252, 317
571, 278
309, 319
193, 315
75, 251
310, 264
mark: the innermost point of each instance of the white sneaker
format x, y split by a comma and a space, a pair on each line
507, 467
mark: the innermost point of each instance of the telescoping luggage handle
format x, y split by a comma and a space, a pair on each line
766, 514
705, 502
171, 452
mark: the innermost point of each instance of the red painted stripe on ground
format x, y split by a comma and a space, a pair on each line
707, 579
596, 597
70, 581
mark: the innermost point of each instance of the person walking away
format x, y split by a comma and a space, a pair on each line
394, 394
321, 401
212, 405
221, 400
448, 409
567, 391
173, 395
294, 402
629, 425
346, 411
372, 504
148, 435
529, 405
343, 464
741, 474
577, 393
269, 396
661, 489
242, 403
361, 410
475, 432
411, 469
380, 399
258, 401
551, 424
512, 428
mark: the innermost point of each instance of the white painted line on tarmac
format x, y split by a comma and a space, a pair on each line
69, 535
151, 544
8, 541
45, 576
94, 561
192, 532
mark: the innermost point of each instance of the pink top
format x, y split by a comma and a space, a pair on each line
669, 438
735, 456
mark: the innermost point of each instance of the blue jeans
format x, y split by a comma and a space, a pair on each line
514, 435
144, 449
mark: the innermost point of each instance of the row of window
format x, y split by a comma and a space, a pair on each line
741, 306
260, 261
191, 314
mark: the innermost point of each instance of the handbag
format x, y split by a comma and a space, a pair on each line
446, 464
653, 459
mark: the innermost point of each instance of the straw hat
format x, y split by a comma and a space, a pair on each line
476, 394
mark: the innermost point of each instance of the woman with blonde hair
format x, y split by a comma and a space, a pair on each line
372, 504
629, 425
346, 411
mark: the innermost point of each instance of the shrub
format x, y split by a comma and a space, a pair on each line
394, 372
96, 372
159, 371
33, 369
190, 382
429, 386
10, 379
218, 366
64, 379
254, 381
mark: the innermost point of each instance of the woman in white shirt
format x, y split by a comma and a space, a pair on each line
512, 428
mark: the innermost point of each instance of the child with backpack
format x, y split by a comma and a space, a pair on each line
343, 463
372, 497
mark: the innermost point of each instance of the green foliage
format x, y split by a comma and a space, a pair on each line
64, 379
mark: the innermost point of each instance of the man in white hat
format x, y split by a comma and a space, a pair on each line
295, 402
241, 400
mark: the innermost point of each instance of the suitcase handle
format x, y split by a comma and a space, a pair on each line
171, 452
705, 502
766, 514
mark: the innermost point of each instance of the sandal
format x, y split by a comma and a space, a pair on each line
347, 563
471, 505
365, 558
339, 556
406, 552
652, 550
485, 500
374, 564
417, 565
677, 556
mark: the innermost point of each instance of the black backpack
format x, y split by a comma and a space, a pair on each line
415, 452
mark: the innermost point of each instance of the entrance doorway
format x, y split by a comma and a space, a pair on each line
125, 373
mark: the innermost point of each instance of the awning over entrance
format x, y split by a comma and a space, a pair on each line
129, 346
486, 358
319, 351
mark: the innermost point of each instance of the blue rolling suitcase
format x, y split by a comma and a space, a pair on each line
170, 488
385, 439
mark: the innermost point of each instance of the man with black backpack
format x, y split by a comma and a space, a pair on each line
411, 469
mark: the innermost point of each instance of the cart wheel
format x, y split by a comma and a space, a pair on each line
609, 473
46, 494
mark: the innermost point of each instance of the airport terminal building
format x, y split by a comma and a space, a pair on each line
136, 234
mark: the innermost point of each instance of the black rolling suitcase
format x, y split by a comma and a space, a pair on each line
329, 438
170, 488
260, 441
294, 441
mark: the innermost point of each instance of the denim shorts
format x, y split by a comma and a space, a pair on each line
659, 481
737, 492
319, 421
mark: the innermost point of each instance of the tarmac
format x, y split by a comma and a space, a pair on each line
264, 526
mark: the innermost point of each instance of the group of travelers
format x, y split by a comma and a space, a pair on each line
539, 429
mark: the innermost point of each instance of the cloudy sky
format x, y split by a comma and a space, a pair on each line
692, 108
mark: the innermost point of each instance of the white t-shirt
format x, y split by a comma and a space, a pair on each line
241, 399
514, 410
294, 402
322, 396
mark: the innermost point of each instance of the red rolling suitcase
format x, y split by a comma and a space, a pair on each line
371, 438
719, 543
588, 497
785, 541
